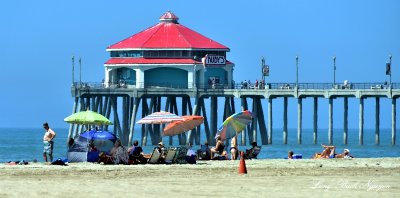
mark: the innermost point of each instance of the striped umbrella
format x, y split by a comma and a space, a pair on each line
234, 124
159, 118
178, 127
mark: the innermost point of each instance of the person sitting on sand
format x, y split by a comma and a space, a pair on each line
163, 152
204, 153
345, 154
92, 147
136, 154
119, 153
290, 155
328, 152
250, 154
219, 147
190, 155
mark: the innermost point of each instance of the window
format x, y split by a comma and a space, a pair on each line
131, 53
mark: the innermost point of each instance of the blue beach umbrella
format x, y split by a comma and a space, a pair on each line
103, 140
102, 135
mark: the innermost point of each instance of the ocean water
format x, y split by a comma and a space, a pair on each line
26, 144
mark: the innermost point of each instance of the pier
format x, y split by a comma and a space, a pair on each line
149, 72
103, 99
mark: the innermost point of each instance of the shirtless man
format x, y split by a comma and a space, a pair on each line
48, 143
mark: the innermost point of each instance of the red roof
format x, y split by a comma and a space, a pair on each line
168, 34
112, 61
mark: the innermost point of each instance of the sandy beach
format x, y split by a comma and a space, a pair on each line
367, 177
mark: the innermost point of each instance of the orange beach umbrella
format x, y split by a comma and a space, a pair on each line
181, 126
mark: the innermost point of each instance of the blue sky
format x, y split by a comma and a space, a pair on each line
38, 39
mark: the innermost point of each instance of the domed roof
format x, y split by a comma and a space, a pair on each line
167, 34
169, 17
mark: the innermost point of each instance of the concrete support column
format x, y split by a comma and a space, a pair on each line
315, 120
214, 114
330, 124
229, 71
107, 77
269, 120
393, 121
191, 78
71, 126
285, 132
135, 104
247, 129
345, 119
139, 78
377, 120
361, 122
299, 119
254, 124
195, 112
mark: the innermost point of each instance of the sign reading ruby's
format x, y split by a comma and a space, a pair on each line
214, 60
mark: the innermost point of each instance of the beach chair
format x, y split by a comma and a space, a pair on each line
155, 157
252, 154
181, 155
171, 155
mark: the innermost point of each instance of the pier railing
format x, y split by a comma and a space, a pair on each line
274, 86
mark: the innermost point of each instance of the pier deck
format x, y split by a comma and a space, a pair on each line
102, 98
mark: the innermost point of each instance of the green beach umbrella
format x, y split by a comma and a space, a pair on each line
88, 117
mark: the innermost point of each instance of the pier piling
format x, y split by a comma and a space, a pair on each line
361, 122
330, 123
285, 132
299, 119
315, 125
393, 121
345, 119
377, 120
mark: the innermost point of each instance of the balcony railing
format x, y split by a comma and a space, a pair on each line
273, 86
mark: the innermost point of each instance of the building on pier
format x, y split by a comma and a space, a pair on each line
154, 69
143, 59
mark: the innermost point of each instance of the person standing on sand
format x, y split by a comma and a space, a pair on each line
48, 142
234, 148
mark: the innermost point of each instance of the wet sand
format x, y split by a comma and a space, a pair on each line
368, 177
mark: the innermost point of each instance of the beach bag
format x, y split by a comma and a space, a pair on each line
60, 162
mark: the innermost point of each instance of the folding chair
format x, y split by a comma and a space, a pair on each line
171, 155
155, 157
181, 154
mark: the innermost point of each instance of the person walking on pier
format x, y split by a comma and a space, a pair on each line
256, 85
48, 142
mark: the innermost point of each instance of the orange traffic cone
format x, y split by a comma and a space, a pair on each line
242, 164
